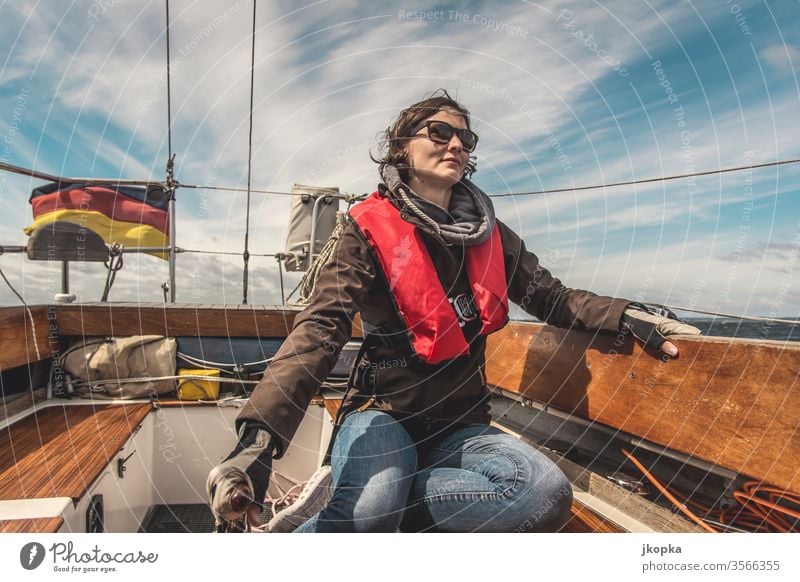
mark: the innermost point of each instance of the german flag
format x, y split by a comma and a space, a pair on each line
133, 216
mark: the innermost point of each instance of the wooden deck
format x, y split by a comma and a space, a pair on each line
60, 450
38, 525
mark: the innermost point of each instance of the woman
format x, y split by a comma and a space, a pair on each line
430, 269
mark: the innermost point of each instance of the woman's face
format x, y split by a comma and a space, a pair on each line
436, 164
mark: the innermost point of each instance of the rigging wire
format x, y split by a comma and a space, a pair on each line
731, 316
650, 180
171, 183
549, 190
63, 180
273, 192
169, 91
246, 253
235, 253
356, 197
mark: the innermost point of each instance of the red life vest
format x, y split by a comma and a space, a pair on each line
418, 294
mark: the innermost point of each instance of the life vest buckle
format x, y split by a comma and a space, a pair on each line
464, 306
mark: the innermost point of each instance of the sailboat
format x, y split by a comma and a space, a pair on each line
713, 432
709, 441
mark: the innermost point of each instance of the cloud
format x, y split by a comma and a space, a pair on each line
329, 76
784, 57
782, 253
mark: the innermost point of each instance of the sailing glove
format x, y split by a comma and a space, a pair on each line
652, 324
245, 471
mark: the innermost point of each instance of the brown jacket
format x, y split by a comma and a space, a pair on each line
454, 390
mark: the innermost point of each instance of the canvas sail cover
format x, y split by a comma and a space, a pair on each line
298, 238
132, 216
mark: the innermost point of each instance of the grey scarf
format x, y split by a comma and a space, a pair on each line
470, 207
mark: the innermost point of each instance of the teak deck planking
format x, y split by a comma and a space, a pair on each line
35, 525
60, 450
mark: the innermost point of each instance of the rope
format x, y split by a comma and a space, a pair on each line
779, 512
157, 378
28, 310
114, 264
420, 214
219, 365
246, 253
649, 180
306, 285
685, 510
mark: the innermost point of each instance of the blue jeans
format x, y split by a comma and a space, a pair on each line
476, 478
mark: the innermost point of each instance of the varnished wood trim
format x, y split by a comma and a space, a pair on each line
60, 450
17, 344
584, 520
179, 319
177, 403
36, 525
333, 406
128, 319
731, 403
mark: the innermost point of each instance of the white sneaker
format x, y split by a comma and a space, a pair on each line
315, 495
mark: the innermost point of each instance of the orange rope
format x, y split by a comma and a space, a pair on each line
759, 505
752, 511
773, 493
665, 492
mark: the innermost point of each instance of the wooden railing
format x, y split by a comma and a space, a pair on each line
732, 402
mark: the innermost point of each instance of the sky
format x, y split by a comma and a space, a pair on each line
562, 95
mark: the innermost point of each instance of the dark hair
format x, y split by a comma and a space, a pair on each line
392, 142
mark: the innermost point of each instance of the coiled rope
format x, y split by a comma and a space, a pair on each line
309, 280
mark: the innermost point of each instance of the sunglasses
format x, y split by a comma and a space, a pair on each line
442, 132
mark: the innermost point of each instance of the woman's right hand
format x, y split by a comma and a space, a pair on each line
237, 487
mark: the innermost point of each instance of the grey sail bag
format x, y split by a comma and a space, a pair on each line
298, 238
106, 364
